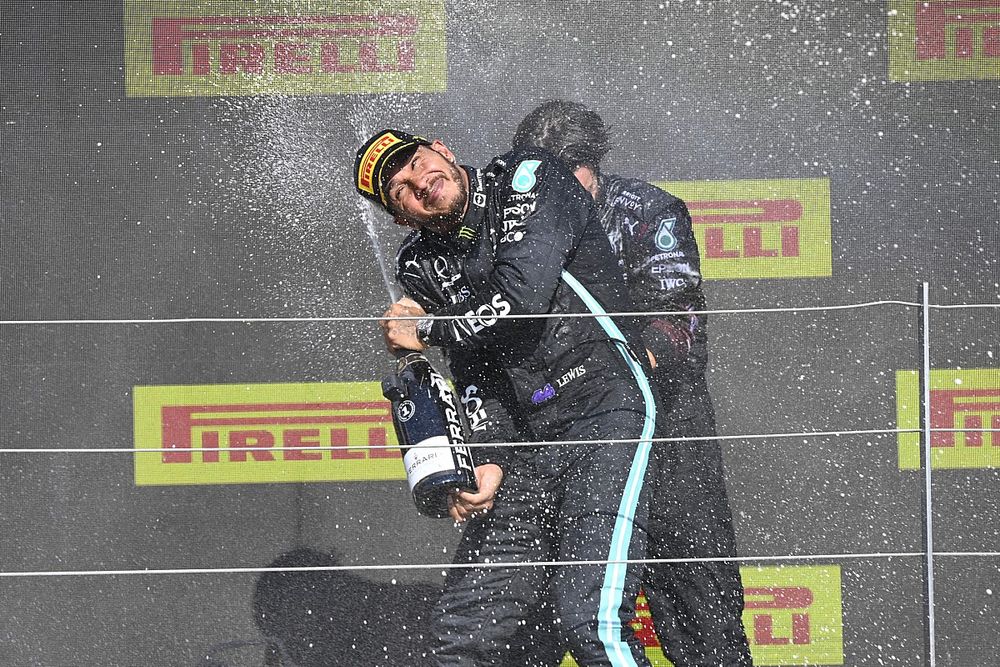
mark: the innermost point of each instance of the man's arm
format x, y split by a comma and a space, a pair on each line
544, 209
487, 418
401, 334
466, 505
421, 298
663, 267
489, 421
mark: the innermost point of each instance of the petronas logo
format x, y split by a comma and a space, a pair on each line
524, 176
665, 239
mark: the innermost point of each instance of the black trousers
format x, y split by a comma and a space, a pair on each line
579, 502
696, 607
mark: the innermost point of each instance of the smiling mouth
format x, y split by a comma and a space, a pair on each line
434, 191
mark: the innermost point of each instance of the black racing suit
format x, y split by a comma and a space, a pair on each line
696, 607
529, 244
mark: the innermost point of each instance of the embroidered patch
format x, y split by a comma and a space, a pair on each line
543, 394
524, 175
665, 239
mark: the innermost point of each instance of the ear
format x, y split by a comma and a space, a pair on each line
438, 146
588, 179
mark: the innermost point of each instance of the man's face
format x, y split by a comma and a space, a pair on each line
429, 190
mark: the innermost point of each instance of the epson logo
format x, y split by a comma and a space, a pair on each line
518, 210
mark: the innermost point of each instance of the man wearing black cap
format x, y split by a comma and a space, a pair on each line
696, 606
518, 238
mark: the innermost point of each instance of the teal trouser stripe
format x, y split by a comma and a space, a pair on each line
609, 622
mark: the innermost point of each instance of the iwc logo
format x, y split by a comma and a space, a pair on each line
405, 411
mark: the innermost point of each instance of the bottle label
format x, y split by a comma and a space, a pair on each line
427, 457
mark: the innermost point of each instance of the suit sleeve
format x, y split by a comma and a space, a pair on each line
489, 422
542, 210
487, 418
411, 277
663, 269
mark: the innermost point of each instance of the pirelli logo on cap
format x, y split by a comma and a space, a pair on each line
760, 228
793, 615
226, 434
368, 161
233, 47
934, 40
964, 418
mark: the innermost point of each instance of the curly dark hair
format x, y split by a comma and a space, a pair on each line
575, 133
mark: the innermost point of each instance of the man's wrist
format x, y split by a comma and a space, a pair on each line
424, 330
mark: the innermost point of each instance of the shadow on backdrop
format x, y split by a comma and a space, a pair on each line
332, 618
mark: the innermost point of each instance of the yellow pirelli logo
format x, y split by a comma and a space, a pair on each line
964, 418
228, 434
367, 168
793, 615
760, 228
933, 40
233, 47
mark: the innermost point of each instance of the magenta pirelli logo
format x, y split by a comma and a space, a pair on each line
944, 39
294, 44
182, 50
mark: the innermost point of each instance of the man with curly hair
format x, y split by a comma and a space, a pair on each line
696, 607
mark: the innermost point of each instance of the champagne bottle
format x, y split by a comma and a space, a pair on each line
425, 414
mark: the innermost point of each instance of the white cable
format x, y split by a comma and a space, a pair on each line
977, 554
644, 313
547, 443
374, 318
964, 305
928, 498
485, 566
755, 436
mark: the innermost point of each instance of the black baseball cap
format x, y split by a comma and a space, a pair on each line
376, 161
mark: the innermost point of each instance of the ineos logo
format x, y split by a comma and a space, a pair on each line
405, 411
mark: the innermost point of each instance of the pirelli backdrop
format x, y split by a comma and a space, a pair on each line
179, 226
